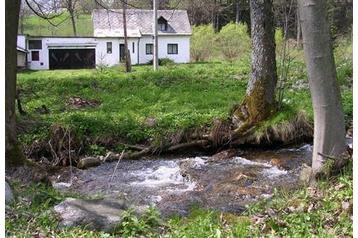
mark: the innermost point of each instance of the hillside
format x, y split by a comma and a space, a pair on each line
34, 25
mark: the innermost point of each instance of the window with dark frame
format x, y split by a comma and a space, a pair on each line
109, 47
133, 47
172, 49
149, 49
35, 44
35, 55
162, 26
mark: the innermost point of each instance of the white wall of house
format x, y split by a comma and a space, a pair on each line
111, 59
21, 59
138, 55
183, 42
57, 43
21, 41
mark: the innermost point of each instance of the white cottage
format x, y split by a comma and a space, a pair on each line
106, 47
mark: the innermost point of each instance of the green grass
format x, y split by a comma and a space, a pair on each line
36, 26
178, 97
316, 211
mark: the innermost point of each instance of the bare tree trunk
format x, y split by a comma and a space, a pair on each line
13, 153
329, 127
237, 16
155, 35
71, 5
299, 33
73, 20
259, 101
126, 51
21, 20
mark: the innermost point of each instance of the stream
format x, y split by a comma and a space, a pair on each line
175, 184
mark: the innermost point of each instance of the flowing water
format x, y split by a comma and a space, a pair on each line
175, 184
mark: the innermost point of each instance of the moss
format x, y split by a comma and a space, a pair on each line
253, 110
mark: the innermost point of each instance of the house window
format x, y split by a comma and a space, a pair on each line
35, 55
162, 26
172, 49
133, 47
149, 49
109, 47
35, 44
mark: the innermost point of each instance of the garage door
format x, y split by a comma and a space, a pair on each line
72, 58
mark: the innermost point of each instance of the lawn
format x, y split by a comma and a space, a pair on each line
176, 97
144, 104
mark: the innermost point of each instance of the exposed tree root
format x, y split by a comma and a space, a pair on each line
63, 143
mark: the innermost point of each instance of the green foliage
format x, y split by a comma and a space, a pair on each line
96, 150
231, 43
32, 209
307, 212
234, 41
279, 37
132, 226
202, 42
162, 62
203, 224
344, 61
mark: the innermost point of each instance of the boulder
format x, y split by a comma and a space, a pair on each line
98, 214
9, 197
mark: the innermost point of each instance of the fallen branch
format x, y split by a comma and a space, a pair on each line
134, 147
182, 146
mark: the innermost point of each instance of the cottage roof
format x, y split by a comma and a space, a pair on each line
139, 22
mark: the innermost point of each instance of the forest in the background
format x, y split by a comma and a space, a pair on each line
217, 13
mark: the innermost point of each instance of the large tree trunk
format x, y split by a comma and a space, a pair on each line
13, 152
329, 127
259, 101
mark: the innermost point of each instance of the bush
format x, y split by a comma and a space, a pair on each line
230, 43
163, 61
234, 41
202, 43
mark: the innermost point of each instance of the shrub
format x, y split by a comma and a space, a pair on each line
163, 61
234, 41
202, 43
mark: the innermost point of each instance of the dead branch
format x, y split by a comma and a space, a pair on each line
182, 146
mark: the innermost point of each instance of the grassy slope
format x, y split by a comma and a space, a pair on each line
37, 26
178, 97
320, 211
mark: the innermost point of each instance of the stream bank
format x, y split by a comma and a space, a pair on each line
175, 184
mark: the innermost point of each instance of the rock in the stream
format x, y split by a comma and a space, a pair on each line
87, 162
99, 214
223, 155
8, 193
